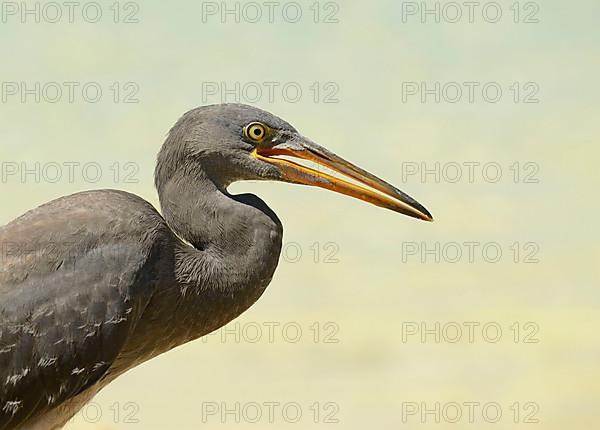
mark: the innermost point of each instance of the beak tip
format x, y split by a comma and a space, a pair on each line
427, 217
422, 212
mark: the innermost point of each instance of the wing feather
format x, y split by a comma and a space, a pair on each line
68, 297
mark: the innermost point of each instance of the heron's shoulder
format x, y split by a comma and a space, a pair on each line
98, 209
86, 201
65, 233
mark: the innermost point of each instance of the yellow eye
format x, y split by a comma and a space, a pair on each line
256, 131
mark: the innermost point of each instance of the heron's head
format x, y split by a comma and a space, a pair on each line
233, 142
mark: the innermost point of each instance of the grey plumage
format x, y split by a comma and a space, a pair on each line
95, 283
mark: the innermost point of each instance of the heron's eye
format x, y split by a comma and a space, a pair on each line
256, 131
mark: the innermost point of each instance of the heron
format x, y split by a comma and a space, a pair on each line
98, 282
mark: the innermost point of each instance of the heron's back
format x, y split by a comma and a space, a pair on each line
70, 293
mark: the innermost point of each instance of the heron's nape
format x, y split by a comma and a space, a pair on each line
381, 193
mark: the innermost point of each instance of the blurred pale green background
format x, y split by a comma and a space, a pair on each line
371, 373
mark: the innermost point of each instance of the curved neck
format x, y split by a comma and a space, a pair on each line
234, 240
232, 250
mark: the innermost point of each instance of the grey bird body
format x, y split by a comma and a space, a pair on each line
95, 283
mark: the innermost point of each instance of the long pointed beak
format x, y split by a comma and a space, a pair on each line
379, 192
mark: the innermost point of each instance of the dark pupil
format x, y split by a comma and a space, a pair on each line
257, 132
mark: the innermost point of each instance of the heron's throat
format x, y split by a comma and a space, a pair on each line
186, 207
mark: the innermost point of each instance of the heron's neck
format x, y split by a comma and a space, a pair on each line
235, 240
232, 250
